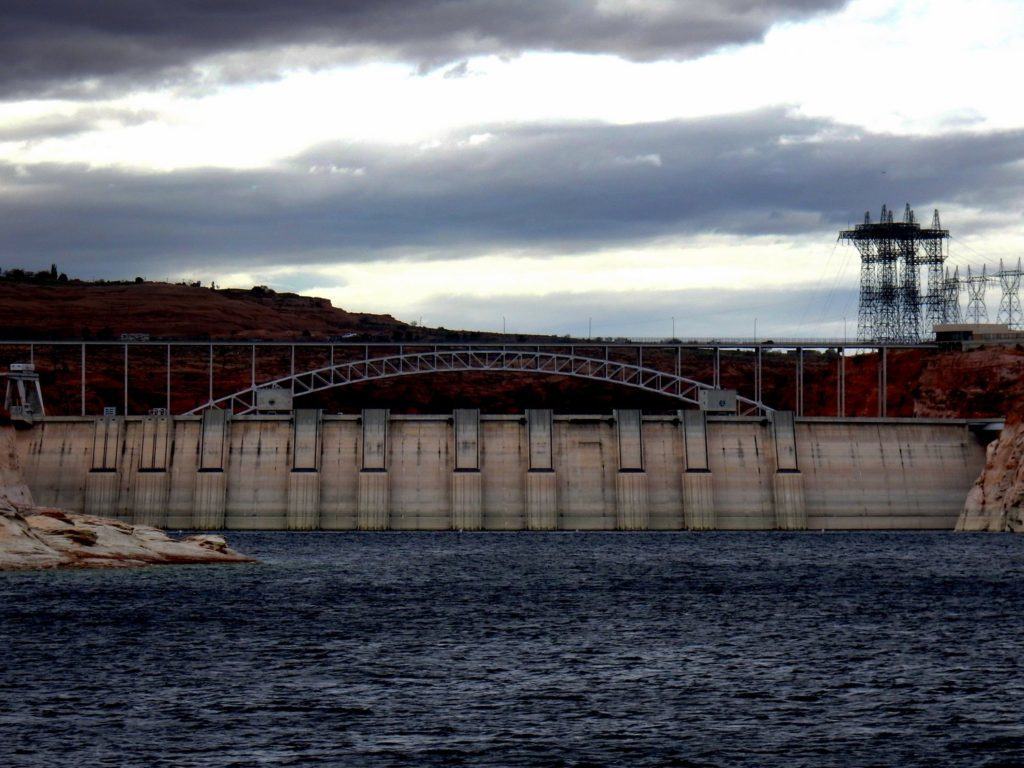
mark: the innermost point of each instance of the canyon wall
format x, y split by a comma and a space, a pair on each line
996, 500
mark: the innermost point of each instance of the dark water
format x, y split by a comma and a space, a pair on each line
526, 649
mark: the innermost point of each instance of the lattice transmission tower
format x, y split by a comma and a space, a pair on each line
892, 254
933, 257
1010, 311
975, 283
951, 293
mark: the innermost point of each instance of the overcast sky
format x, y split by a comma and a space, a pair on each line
627, 166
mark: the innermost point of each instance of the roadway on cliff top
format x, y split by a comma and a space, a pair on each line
595, 361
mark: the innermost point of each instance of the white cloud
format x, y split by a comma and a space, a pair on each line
708, 262
336, 170
910, 67
917, 66
653, 160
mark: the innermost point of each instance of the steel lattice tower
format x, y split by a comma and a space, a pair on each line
1010, 311
977, 312
937, 307
951, 294
892, 254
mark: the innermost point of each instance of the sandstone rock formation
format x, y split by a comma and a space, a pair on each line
42, 537
996, 502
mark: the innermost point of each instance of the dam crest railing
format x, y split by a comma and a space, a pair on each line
315, 365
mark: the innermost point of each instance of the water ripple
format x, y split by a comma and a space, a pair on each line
526, 650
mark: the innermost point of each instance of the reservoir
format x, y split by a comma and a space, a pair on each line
526, 649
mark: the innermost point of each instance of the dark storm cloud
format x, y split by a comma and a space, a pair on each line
559, 188
57, 45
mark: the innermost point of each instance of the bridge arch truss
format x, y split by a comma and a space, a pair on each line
538, 361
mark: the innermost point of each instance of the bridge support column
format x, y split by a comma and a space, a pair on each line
788, 482
467, 488
541, 484
304, 478
152, 486
698, 491
210, 498
373, 511
103, 481
632, 511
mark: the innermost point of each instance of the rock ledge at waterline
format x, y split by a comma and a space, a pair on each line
44, 537
40, 537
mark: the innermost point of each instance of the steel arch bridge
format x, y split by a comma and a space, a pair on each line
485, 359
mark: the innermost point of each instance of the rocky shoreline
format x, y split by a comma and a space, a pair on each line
41, 537
33, 537
996, 501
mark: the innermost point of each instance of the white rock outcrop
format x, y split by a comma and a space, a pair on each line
996, 501
42, 537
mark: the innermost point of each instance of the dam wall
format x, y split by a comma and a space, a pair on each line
537, 471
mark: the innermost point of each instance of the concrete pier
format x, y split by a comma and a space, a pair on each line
374, 505
631, 494
210, 498
378, 471
106, 444
699, 501
303, 501
101, 493
790, 505
150, 498
102, 484
541, 501
698, 490
182, 469
304, 478
541, 483
211, 481
467, 490
152, 482
467, 511
787, 483
631, 479
155, 448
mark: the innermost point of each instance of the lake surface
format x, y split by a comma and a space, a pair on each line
526, 649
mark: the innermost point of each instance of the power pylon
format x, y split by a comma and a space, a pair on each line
936, 299
977, 312
1009, 305
892, 254
951, 297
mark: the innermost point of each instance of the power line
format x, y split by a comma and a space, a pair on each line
817, 284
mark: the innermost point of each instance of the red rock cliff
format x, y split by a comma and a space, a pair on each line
996, 501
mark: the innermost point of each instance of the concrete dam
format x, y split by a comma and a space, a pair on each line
537, 471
